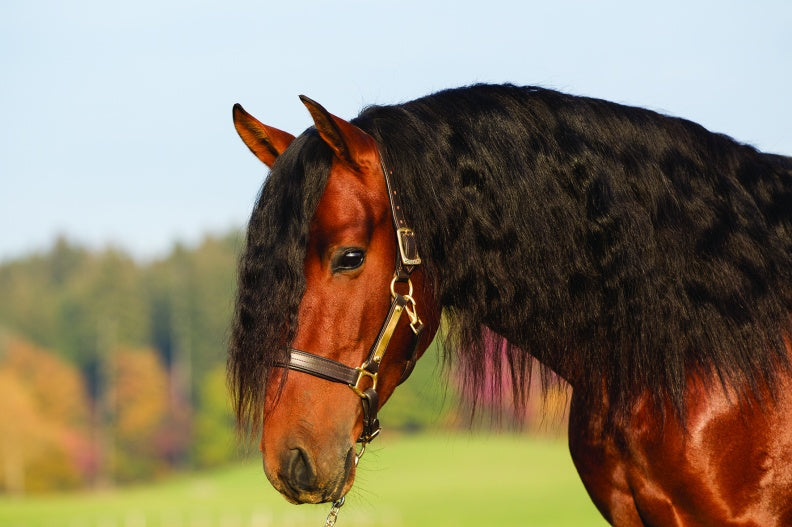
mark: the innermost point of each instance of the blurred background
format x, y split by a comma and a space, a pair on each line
124, 192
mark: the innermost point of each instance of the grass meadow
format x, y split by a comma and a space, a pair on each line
420, 480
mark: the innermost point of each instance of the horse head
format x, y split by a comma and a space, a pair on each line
354, 273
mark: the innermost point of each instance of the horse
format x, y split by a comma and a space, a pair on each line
640, 258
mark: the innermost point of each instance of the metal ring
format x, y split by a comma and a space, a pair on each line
360, 453
393, 287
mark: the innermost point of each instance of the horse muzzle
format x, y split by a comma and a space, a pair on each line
306, 477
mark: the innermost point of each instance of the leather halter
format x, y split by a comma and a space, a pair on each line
407, 259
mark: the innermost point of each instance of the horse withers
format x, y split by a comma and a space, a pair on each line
641, 258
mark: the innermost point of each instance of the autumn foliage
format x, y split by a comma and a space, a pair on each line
111, 370
44, 431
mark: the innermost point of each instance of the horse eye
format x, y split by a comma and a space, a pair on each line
348, 260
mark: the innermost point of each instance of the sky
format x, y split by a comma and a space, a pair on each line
115, 117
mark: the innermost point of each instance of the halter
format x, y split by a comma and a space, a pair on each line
363, 379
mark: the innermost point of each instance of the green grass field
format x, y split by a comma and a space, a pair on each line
454, 480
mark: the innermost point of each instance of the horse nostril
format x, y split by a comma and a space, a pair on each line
302, 474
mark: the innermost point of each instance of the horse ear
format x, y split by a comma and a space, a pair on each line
264, 141
350, 144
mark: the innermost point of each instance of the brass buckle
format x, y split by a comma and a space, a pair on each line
370, 437
406, 238
362, 372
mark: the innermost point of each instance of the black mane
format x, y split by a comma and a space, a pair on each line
271, 281
612, 243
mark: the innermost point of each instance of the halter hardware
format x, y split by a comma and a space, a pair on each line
408, 249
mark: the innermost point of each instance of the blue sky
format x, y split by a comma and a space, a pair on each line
115, 118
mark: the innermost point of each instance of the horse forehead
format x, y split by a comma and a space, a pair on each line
350, 200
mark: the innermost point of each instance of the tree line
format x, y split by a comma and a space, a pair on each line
113, 370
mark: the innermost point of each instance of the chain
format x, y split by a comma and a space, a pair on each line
332, 516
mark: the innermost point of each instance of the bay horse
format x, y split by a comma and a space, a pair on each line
639, 257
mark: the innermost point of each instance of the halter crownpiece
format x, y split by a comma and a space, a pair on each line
363, 379
405, 237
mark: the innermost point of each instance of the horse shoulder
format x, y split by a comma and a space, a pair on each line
731, 464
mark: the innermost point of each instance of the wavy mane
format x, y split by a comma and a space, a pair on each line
614, 244
270, 278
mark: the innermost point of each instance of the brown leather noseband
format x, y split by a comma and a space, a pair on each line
407, 259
